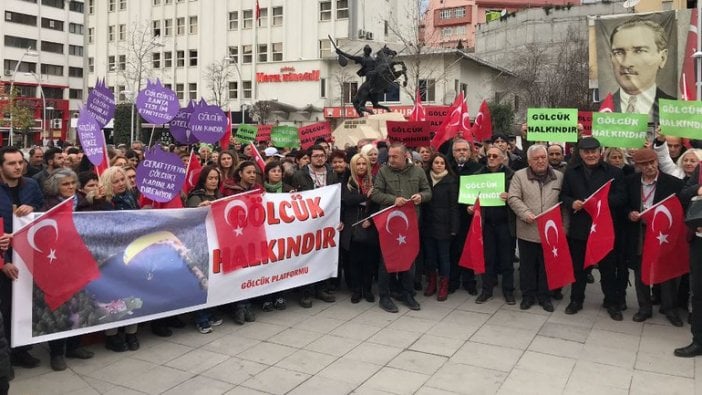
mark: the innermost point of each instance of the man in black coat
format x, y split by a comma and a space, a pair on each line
581, 180
643, 190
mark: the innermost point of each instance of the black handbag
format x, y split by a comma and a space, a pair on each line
368, 236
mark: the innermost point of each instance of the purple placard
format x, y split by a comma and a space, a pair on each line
179, 125
208, 123
160, 176
157, 104
91, 137
101, 103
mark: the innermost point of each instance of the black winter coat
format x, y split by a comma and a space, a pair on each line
501, 214
440, 215
355, 207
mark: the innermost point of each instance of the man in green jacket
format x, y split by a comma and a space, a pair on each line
398, 183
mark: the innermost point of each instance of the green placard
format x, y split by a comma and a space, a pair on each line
621, 130
246, 133
285, 137
552, 124
488, 185
680, 118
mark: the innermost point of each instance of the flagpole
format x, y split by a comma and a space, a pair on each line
549, 209
374, 214
237, 195
656, 205
45, 213
598, 189
698, 54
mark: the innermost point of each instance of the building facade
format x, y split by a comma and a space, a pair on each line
43, 43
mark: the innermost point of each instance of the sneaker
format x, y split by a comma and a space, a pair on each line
410, 302
58, 363
483, 297
267, 306
204, 327
79, 353
215, 320
249, 315
132, 341
239, 316
280, 304
24, 359
387, 304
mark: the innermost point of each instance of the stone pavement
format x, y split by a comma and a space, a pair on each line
448, 347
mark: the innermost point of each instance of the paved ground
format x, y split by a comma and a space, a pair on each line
452, 347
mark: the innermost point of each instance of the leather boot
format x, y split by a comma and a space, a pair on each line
431, 284
443, 289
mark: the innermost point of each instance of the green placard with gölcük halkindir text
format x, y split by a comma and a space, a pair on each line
489, 186
552, 124
680, 118
621, 130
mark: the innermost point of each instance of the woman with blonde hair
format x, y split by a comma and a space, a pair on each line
371, 152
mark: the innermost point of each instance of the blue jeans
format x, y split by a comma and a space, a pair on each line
438, 255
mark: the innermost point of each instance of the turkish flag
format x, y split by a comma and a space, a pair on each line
256, 156
240, 224
473, 256
192, 173
688, 89
55, 254
399, 237
457, 120
105, 161
607, 104
601, 239
224, 141
258, 13
176, 202
666, 253
418, 112
482, 127
557, 260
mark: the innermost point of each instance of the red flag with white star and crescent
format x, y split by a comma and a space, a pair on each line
399, 237
192, 173
601, 239
55, 254
666, 253
473, 256
557, 259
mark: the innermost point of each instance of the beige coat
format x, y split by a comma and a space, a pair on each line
528, 196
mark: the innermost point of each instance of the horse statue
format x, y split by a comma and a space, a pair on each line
380, 73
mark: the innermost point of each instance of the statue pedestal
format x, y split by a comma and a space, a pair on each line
371, 127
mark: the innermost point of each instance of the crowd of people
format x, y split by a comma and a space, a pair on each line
374, 175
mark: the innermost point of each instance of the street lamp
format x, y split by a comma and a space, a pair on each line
43, 103
130, 96
28, 52
230, 61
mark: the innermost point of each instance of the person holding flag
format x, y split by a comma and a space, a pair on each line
643, 190
532, 191
580, 181
399, 182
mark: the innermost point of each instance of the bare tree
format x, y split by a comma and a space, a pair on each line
218, 74
138, 48
261, 111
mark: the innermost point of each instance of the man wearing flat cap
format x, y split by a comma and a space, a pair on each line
644, 189
580, 180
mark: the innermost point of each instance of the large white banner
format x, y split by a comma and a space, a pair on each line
158, 263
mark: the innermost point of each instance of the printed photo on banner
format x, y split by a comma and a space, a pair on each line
489, 186
636, 60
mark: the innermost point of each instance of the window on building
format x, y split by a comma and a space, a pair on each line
459, 12
24, 67
53, 93
75, 28
168, 86
168, 59
342, 9
263, 18
262, 53
179, 90
192, 25
167, 27
75, 72
52, 69
76, 6
111, 33
248, 19
277, 16
91, 65
122, 62
192, 91
464, 89
325, 48
111, 5
24, 19
91, 34
277, 49
446, 32
325, 10
75, 50
157, 2
247, 89
349, 91
427, 90
193, 57
234, 20
122, 5
48, 46
111, 63
393, 93
180, 26
20, 42
54, 3
248, 56
156, 60
122, 32
386, 28
75, 94
322, 87
233, 54
233, 90
120, 93
52, 24
445, 13
180, 58
91, 7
